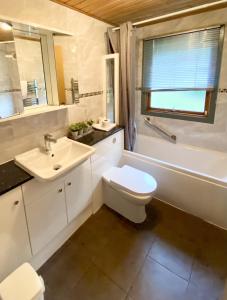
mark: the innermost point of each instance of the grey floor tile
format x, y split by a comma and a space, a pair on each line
124, 255
175, 253
94, 285
193, 292
155, 282
207, 280
65, 269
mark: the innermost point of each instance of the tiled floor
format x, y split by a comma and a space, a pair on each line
171, 256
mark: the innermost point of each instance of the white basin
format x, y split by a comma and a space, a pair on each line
64, 155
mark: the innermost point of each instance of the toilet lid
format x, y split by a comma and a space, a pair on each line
132, 180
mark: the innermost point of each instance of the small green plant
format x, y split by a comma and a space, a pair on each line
84, 125
90, 122
74, 127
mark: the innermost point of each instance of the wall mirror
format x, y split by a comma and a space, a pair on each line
28, 68
10, 93
66, 69
111, 87
31, 68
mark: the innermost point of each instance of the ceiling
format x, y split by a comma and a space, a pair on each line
116, 12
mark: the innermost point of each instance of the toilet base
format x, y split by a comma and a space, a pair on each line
119, 203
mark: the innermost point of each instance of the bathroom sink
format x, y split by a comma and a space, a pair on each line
64, 155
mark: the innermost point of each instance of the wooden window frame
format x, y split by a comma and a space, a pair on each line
210, 101
205, 117
205, 113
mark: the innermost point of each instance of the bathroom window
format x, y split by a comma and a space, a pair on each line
180, 75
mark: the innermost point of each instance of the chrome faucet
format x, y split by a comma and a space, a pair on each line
48, 139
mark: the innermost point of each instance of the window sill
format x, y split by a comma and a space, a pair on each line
178, 116
34, 111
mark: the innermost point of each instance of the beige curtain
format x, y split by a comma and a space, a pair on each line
127, 71
125, 43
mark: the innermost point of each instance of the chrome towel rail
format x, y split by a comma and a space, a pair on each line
171, 137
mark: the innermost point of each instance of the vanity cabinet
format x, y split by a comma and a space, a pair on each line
37, 214
108, 154
14, 238
78, 190
50, 206
46, 211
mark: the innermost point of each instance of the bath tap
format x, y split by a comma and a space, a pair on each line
171, 137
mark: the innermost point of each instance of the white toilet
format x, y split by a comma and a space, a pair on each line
127, 190
23, 284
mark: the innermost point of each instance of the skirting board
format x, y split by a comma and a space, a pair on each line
39, 259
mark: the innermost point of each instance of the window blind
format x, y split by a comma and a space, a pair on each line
186, 61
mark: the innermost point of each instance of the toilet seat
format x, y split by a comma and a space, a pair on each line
127, 191
130, 180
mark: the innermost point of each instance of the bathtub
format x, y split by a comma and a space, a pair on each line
190, 178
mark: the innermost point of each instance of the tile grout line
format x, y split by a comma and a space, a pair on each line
152, 259
106, 275
140, 269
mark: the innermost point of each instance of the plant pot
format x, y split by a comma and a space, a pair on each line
85, 130
81, 132
74, 134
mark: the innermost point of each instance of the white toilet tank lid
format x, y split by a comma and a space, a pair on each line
23, 284
132, 180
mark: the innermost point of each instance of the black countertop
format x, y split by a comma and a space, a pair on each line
97, 136
12, 176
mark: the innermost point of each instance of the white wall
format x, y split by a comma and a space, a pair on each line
212, 136
87, 46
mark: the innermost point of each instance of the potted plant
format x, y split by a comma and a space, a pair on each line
84, 127
74, 129
90, 123
80, 128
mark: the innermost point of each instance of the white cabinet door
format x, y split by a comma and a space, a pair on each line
45, 210
108, 154
78, 189
14, 240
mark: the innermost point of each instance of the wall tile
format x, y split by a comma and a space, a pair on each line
82, 54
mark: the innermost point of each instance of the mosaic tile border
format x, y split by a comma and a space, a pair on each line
222, 91
90, 94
